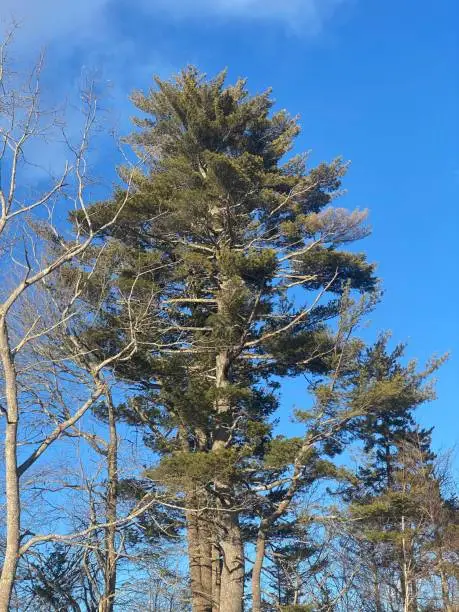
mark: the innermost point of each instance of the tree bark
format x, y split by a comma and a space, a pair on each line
232, 574
205, 544
200, 568
108, 600
216, 575
13, 502
229, 532
256, 571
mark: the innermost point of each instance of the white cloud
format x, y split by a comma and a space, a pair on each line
86, 37
44, 21
304, 15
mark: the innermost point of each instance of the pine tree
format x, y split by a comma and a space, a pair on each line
392, 421
387, 498
233, 255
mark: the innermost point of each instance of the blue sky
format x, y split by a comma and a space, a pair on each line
375, 82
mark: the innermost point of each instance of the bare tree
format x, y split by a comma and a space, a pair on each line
31, 222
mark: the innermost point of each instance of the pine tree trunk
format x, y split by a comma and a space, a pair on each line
13, 503
232, 574
256, 571
201, 584
230, 539
216, 576
108, 600
194, 560
205, 544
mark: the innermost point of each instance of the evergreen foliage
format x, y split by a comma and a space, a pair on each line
234, 264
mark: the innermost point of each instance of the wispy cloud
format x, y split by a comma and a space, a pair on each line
45, 21
309, 16
88, 38
88, 34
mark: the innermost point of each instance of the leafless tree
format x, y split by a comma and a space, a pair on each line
35, 248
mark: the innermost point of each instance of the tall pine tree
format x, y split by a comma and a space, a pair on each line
234, 258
